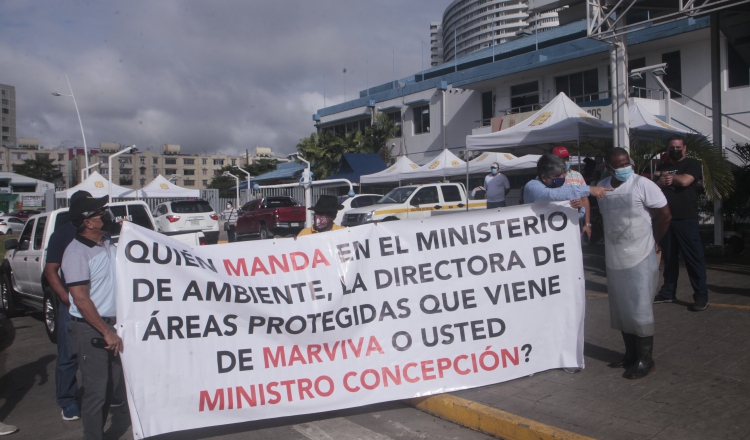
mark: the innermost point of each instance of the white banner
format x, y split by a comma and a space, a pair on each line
256, 330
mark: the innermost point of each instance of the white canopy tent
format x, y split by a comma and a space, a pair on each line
391, 174
98, 186
644, 124
443, 165
561, 120
160, 187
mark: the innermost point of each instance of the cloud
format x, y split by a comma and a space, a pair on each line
210, 76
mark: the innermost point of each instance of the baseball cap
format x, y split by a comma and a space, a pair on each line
561, 152
82, 204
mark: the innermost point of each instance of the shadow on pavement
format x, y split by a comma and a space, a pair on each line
593, 286
742, 291
7, 335
16, 383
600, 353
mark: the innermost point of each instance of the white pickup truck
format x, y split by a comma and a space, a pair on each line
22, 283
414, 201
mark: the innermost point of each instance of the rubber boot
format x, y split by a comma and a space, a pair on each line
629, 359
645, 364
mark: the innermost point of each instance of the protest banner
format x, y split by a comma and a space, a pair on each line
255, 330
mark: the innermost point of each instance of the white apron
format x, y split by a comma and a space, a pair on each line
632, 271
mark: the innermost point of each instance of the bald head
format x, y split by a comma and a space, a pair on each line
614, 154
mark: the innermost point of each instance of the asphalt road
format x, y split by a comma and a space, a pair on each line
27, 400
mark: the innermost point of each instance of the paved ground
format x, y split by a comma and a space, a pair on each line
700, 390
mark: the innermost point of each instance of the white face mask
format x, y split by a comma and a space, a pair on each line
229, 206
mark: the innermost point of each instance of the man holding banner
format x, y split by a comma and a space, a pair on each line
632, 272
89, 268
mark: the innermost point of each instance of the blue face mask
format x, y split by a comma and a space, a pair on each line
493, 171
623, 174
567, 166
556, 182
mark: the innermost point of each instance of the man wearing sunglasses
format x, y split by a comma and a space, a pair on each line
89, 269
497, 186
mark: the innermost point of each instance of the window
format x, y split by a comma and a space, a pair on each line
60, 157
426, 195
217, 173
156, 161
104, 171
188, 182
26, 235
580, 86
188, 161
205, 182
6, 111
486, 108
39, 233
219, 162
156, 172
234, 162
673, 78
524, 96
142, 171
126, 180
170, 171
126, 171
23, 188
421, 119
143, 182
104, 159
20, 156
188, 172
170, 161
396, 118
450, 193
738, 72
205, 171
205, 161
142, 159
126, 160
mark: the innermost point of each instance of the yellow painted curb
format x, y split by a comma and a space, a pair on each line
489, 420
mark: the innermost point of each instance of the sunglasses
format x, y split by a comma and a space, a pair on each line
98, 213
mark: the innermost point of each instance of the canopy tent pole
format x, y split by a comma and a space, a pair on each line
466, 157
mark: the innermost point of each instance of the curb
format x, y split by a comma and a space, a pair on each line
489, 420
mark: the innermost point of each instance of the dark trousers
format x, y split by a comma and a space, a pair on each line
683, 236
100, 375
66, 387
492, 205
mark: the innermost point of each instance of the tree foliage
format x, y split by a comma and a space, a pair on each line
224, 183
42, 169
737, 206
377, 136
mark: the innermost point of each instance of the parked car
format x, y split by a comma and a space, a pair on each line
185, 215
269, 216
358, 201
415, 201
24, 213
11, 225
22, 283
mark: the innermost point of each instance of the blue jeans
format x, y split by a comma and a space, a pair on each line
683, 236
66, 387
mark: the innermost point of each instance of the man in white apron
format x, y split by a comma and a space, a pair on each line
636, 216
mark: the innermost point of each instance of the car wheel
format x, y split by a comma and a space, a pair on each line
6, 294
50, 314
264, 233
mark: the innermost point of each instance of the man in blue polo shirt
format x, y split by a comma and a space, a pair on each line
89, 268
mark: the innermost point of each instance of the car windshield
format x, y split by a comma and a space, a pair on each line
398, 195
342, 199
190, 207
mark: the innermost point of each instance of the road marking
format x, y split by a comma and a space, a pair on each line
489, 420
727, 306
332, 429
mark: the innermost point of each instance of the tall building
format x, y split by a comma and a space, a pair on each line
436, 43
471, 25
7, 115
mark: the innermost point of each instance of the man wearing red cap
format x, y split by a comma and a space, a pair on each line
574, 178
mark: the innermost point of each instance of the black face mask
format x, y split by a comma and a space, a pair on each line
675, 155
108, 221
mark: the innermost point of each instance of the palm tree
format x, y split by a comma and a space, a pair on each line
377, 136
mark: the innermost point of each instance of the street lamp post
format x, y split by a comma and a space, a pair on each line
83, 135
248, 180
237, 187
85, 171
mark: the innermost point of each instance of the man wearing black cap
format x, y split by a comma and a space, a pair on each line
89, 269
325, 211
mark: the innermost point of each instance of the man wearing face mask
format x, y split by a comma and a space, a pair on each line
636, 216
88, 265
550, 184
325, 211
497, 187
678, 182
574, 178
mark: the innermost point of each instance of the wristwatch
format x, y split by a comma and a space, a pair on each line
588, 224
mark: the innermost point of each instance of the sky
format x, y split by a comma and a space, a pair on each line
211, 76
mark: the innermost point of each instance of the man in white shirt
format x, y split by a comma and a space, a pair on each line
636, 216
497, 186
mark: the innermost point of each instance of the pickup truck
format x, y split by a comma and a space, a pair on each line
414, 201
269, 216
22, 283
